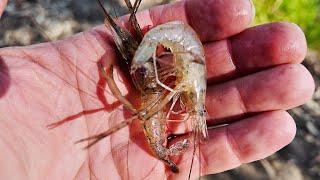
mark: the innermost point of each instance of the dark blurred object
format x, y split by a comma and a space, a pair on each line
82, 11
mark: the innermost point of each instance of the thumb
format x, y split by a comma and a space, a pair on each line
3, 4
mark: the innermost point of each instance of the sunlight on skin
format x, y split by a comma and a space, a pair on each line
60, 80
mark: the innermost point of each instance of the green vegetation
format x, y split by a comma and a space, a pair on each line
305, 13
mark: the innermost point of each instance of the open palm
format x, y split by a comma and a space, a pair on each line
254, 75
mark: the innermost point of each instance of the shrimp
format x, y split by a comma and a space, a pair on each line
189, 84
190, 74
154, 125
189, 61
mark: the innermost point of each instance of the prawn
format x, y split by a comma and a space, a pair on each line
189, 84
190, 87
190, 74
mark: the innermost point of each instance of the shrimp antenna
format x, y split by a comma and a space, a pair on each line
193, 153
133, 19
107, 16
124, 41
136, 5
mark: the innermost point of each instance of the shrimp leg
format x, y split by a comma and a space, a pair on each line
108, 75
175, 99
157, 76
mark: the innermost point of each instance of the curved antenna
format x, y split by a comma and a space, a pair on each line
107, 15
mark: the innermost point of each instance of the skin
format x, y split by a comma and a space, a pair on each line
3, 4
254, 76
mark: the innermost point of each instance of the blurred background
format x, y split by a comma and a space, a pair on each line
27, 22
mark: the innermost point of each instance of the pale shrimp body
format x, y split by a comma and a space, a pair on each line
190, 86
189, 62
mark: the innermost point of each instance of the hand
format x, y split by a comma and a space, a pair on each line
254, 76
3, 4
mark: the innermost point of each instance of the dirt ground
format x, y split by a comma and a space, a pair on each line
27, 22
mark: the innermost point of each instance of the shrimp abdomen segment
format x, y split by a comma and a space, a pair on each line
175, 35
155, 130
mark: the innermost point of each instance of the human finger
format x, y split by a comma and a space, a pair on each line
211, 19
3, 4
255, 49
282, 87
245, 141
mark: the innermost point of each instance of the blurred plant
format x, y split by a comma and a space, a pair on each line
305, 13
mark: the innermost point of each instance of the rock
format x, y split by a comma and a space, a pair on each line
312, 128
289, 171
